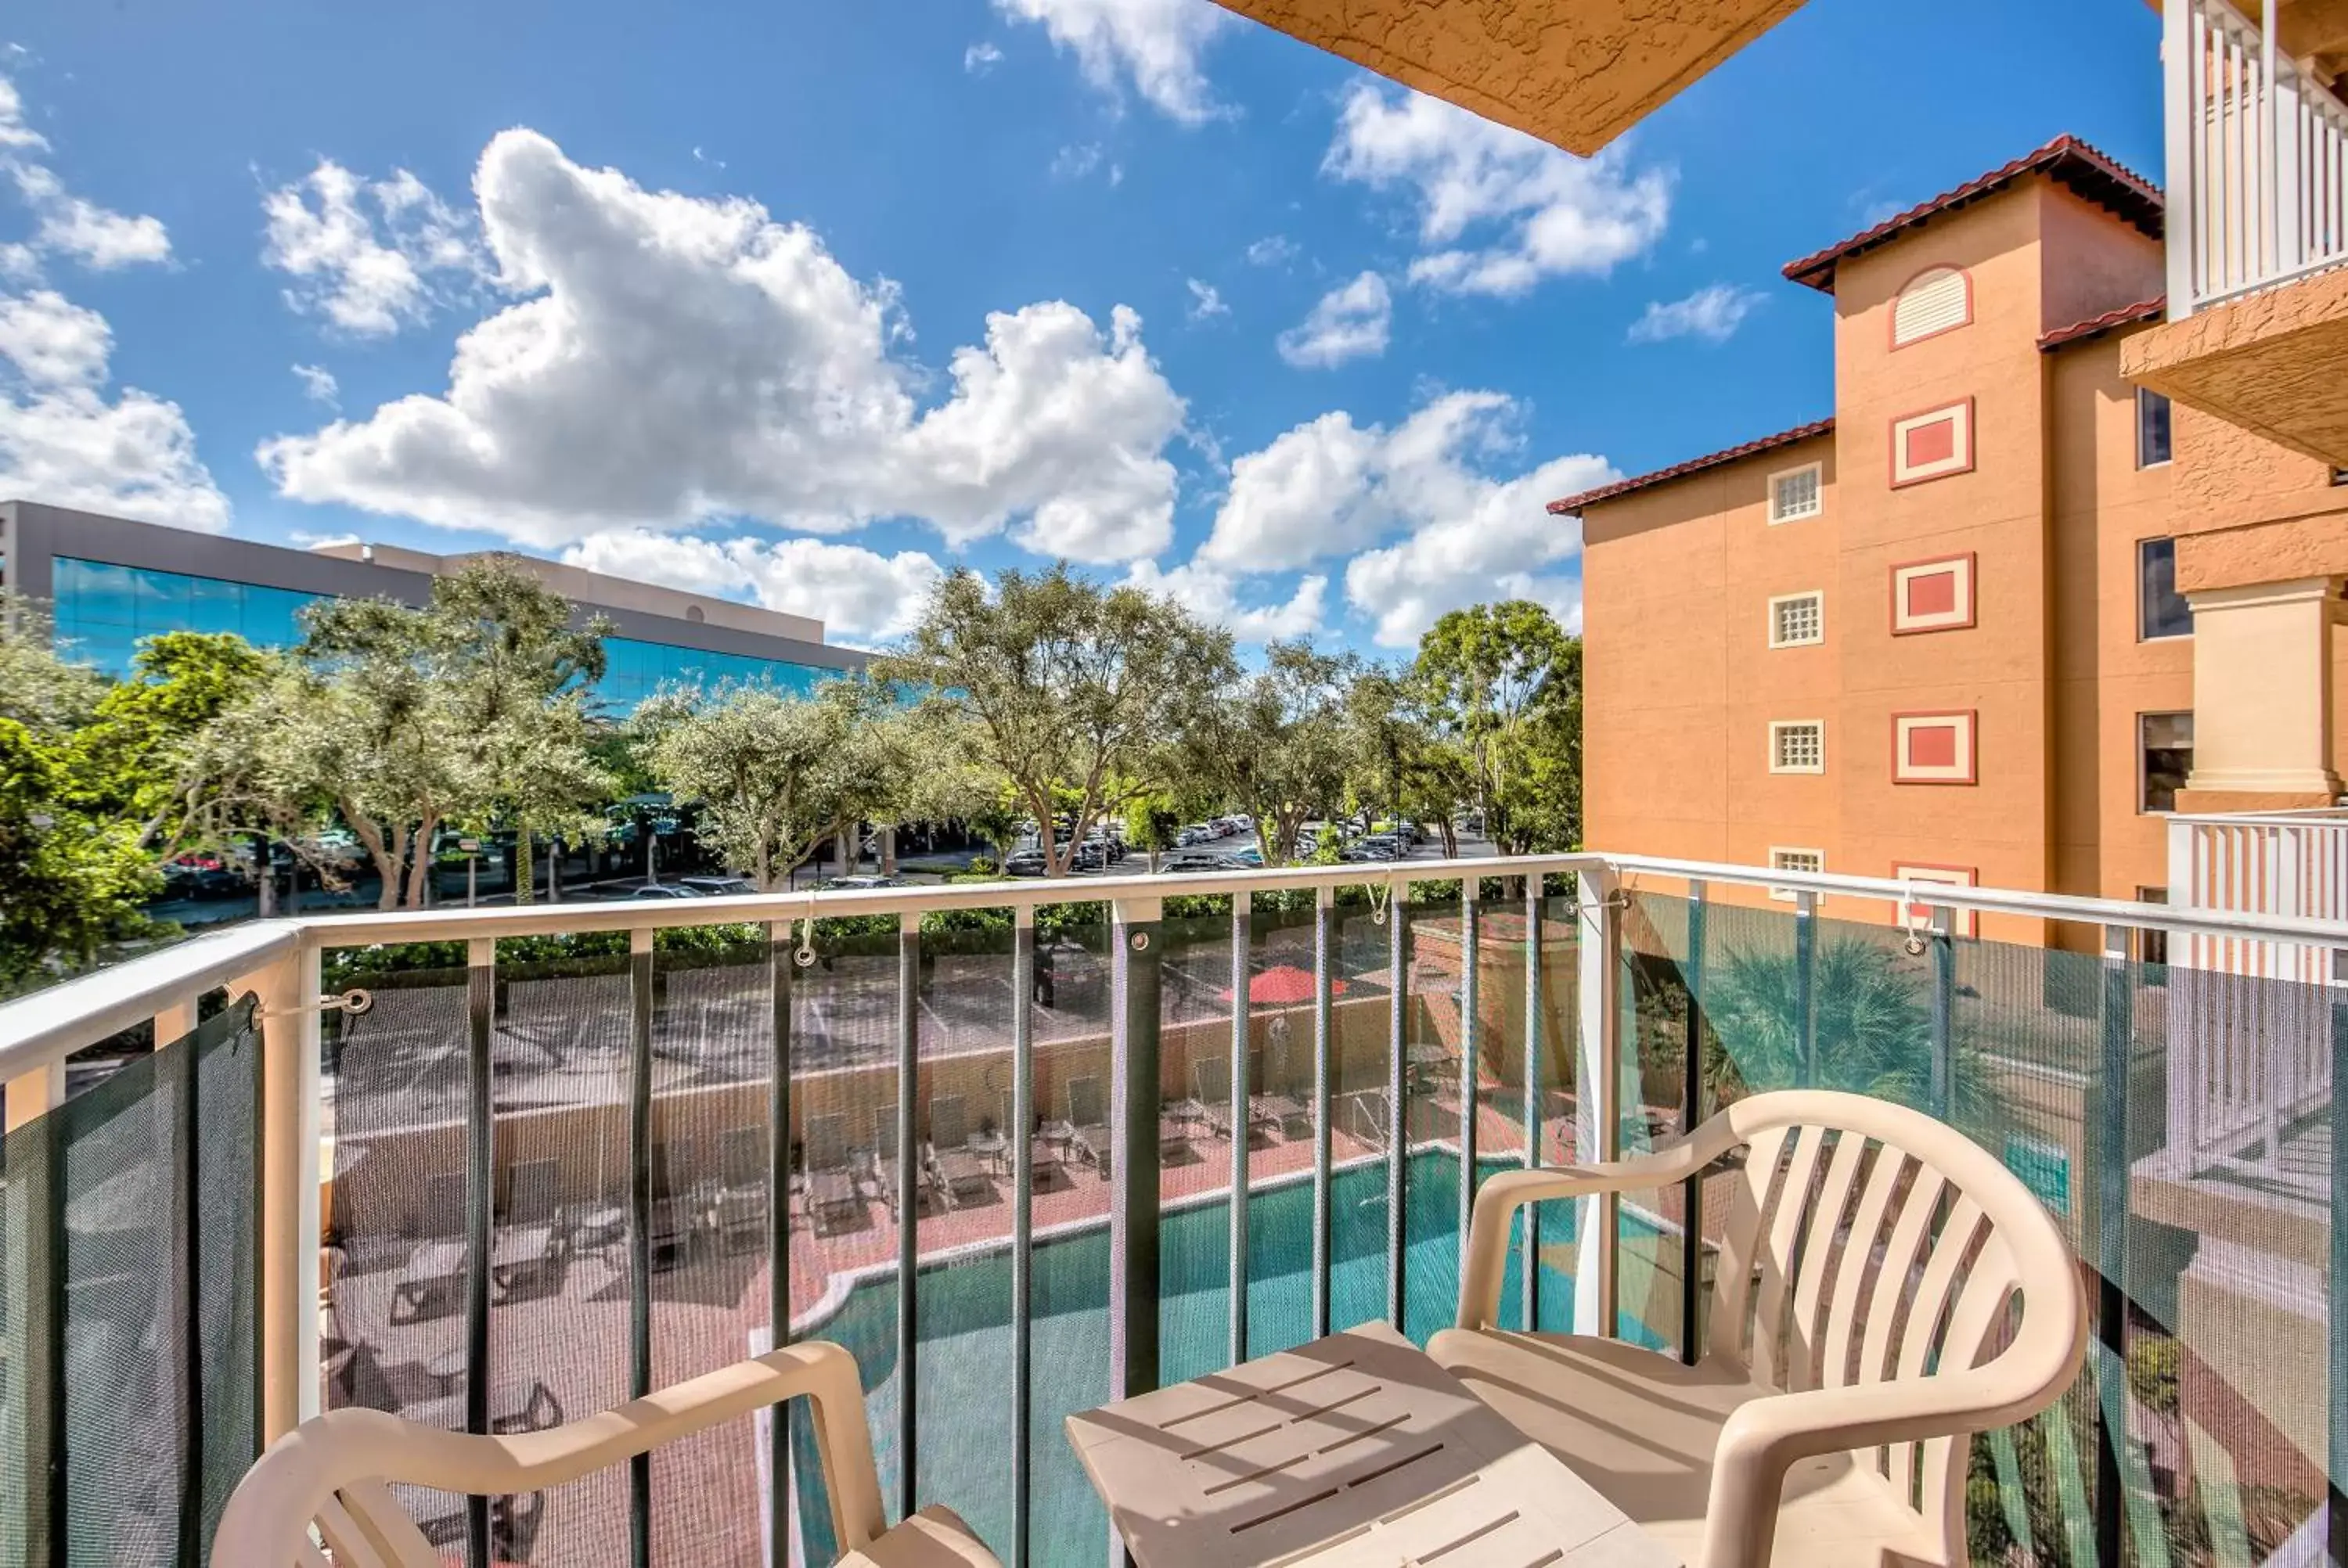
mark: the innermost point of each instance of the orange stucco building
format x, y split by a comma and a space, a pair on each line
1939, 633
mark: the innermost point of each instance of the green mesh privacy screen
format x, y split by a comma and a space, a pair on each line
2198, 1434
129, 1395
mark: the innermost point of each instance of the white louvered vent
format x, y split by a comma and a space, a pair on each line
1935, 301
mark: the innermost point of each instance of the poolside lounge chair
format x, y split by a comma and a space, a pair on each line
1089, 1114
1286, 1110
530, 1243
834, 1188
956, 1171
678, 1209
431, 1280
335, 1472
880, 1173
1210, 1082
1829, 1409
738, 1208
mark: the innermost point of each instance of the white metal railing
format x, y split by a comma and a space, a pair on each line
2250, 1023
281, 961
2257, 160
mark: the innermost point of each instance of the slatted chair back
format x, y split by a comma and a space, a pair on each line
334, 1474
949, 1125
826, 1142
1867, 1245
533, 1192
1088, 1107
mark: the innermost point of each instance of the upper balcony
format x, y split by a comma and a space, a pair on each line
2258, 222
573, 1152
1578, 73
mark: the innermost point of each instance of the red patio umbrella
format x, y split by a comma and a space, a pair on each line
1284, 985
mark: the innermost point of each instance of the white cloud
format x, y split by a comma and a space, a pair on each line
1713, 313
96, 235
1155, 44
1465, 526
1214, 594
15, 134
368, 255
1272, 251
1206, 301
63, 443
854, 591
1352, 321
318, 384
980, 57
679, 358
1075, 160
1498, 210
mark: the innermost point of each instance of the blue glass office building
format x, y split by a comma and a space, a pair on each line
112, 582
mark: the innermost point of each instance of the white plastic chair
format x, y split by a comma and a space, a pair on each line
335, 1471
1828, 1417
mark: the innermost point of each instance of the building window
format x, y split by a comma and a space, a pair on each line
1797, 746
1797, 619
2151, 428
2151, 942
1934, 302
1810, 860
1795, 493
1933, 444
1932, 595
2161, 610
2165, 744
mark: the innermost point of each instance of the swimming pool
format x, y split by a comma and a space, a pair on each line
964, 1435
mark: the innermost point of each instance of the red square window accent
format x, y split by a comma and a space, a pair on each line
1932, 444
1933, 748
1932, 595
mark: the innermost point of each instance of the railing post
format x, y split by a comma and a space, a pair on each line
2336, 1493
1134, 1218
1529, 1241
780, 968
481, 1201
1242, 1120
1806, 966
2180, 121
289, 1238
2111, 1173
1945, 993
1470, 1053
908, 1205
640, 1224
1022, 1224
1324, 964
1597, 1110
1397, 1097
1692, 1115
32, 1524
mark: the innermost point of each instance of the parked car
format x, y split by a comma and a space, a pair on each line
719, 887
1369, 849
864, 880
1201, 860
1248, 856
1023, 863
1089, 857
663, 890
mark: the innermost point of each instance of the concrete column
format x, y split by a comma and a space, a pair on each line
2262, 696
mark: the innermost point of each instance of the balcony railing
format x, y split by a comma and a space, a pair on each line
2257, 160
573, 1152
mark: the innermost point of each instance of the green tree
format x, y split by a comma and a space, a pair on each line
1503, 683
1078, 696
775, 774
142, 753
1280, 744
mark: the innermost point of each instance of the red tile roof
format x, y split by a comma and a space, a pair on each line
2150, 310
1572, 505
2089, 173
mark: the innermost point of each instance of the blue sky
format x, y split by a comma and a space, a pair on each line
801, 303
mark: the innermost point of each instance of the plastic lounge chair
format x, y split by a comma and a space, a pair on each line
1814, 1417
834, 1191
336, 1471
1089, 1114
881, 1172
677, 1209
429, 1281
529, 1242
738, 1209
958, 1170
1280, 1109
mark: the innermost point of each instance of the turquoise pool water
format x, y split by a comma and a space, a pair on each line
964, 1438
